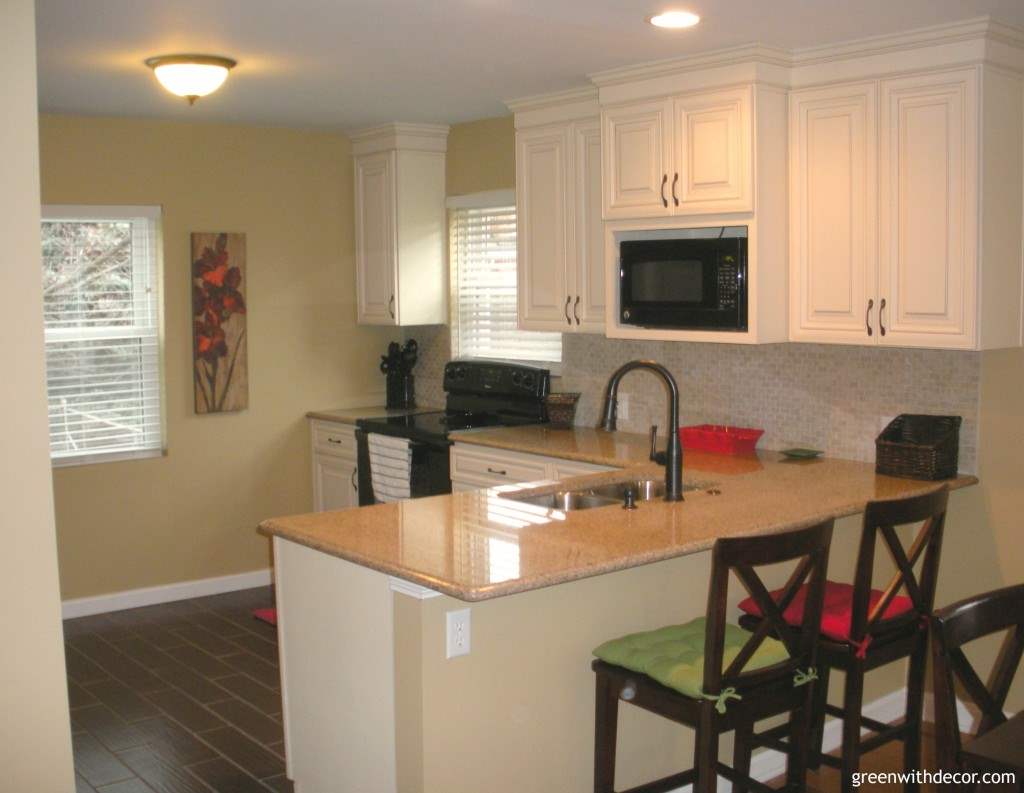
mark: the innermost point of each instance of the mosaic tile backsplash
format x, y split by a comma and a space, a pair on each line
831, 397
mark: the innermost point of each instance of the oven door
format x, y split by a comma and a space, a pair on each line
685, 284
429, 474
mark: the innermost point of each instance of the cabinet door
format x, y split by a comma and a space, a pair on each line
928, 164
375, 239
588, 301
833, 214
334, 483
543, 239
713, 161
637, 142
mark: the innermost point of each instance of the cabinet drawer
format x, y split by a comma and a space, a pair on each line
334, 438
495, 466
563, 469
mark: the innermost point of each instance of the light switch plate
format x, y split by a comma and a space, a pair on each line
457, 626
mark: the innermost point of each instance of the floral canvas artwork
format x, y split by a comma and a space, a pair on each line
220, 362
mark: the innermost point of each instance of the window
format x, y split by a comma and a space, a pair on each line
101, 307
483, 252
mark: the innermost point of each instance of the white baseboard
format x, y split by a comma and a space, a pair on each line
149, 596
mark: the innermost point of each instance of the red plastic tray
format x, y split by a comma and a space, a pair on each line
720, 438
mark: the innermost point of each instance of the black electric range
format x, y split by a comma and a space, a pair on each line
477, 394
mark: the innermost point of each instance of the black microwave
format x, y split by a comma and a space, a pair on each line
684, 279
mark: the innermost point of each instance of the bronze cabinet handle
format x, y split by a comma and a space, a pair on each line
391, 306
881, 308
568, 300
675, 181
867, 317
664, 181
355, 485
496, 471
575, 313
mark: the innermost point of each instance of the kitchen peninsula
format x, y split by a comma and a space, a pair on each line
373, 704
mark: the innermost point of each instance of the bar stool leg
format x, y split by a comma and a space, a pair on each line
800, 727
818, 717
915, 703
853, 700
707, 751
606, 724
741, 754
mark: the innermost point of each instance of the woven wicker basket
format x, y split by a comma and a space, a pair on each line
919, 447
561, 408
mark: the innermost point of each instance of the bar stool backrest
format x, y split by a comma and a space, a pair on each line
882, 518
952, 628
808, 549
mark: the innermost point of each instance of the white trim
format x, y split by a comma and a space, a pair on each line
167, 593
71, 460
482, 200
585, 93
410, 589
101, 211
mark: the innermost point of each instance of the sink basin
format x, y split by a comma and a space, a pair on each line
643, 489
566, 500
598, 496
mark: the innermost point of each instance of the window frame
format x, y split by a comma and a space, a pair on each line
154, 279
489, 199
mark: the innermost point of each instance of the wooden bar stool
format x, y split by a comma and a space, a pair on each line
714, 676
952, 628
864, 628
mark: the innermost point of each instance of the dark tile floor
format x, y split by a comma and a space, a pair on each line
177, 698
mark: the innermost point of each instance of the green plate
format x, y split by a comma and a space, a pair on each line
802, 454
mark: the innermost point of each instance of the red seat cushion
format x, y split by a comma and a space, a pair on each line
836, 614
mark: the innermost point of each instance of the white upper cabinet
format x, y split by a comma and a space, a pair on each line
684, 155
638, 157
560, 233
833, 215
589, 301
886, 247
928, 197
400, 224
712, 171
375, 238
543, 233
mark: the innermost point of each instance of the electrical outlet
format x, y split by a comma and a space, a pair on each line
622, 410
457, 633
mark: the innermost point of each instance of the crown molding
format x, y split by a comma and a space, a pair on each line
400, 135
977, 29
585, 93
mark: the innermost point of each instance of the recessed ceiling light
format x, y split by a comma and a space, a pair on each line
674, 19
191, 76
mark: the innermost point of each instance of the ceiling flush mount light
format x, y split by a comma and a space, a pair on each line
191, 76
674, 19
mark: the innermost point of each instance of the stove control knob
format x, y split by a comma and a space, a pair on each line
460, 372
516, 377
527, 381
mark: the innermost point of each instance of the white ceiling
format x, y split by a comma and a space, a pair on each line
344, 64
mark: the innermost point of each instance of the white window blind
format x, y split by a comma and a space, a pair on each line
101, 307
483, 250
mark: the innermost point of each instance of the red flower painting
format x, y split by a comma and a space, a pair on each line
218, 322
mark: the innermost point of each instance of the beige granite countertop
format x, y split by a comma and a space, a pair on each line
479, 545
352, 415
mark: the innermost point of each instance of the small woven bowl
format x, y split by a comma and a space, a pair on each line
561, 408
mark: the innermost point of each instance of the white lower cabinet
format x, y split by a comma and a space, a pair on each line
335, 470
476, 467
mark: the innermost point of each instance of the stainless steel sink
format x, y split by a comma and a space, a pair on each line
598, 496
566, 500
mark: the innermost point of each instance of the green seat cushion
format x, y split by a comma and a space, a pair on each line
674, 655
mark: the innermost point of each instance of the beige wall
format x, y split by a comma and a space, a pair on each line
35, 740
192, 514
481, 156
